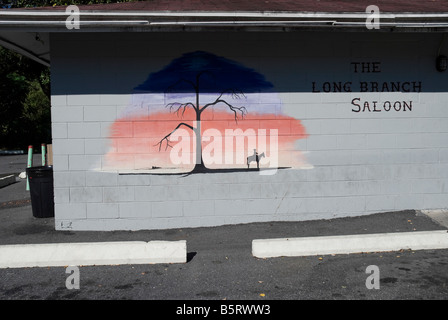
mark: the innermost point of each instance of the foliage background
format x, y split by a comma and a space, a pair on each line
25, 92
24, 102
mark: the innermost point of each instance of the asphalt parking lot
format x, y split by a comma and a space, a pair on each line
220, 265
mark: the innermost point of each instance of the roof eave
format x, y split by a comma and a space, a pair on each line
18, 28
113, 21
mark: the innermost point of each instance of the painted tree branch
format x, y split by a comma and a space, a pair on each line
236, 94
194, 86
178, 106
167, 137
235, 110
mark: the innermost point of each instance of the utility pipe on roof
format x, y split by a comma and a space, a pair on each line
82, 22
255, 14
316, 18
250, 22
122, 23
398, 24
305, 23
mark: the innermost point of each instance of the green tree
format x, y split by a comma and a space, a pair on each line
24, 102
25, 92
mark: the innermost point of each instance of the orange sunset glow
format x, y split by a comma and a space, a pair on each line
136, 141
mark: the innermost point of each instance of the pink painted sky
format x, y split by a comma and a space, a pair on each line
134, 140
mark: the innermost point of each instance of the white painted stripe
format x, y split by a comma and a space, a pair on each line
308, 246
92, 253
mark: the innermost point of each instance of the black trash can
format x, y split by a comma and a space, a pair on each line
41, 191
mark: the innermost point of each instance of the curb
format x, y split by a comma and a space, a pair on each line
7, 180
439, 215
309, 246
92, 253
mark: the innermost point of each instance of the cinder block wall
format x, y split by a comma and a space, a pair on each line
360, 158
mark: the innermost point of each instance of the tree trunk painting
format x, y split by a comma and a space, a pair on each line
200, 93
181, 107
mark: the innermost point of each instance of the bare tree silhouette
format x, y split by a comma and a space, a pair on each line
179, 108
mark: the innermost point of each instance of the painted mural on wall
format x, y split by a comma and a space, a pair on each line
204, 113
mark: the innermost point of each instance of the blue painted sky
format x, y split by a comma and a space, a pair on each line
218, 74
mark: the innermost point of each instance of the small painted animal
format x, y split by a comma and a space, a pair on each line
255, 157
